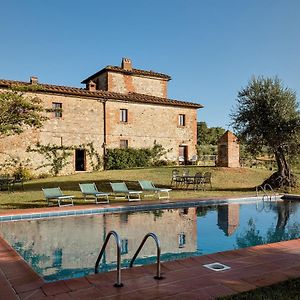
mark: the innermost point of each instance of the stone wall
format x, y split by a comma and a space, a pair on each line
82, 122
228, 151
122, 83
148, 123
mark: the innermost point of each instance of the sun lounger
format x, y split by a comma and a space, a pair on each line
148, 186
121, 188
56, 194
90, 189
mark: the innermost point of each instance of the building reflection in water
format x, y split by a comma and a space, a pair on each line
228, 218
53, 245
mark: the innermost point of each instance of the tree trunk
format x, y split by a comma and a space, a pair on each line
282, 178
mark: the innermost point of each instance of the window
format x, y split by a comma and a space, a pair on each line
57, 109
123, 144
124, 115
181, 120
181, 240
124, 246
57, 258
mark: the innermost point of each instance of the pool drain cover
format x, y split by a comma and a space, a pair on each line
216, 267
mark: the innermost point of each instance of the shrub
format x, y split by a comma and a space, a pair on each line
132, 158
22, 172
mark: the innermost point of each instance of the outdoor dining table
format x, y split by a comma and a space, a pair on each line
191, 179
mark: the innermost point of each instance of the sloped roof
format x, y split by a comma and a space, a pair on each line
127, 72
228, 136
101, 95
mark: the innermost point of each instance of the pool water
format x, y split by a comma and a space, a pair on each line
67, 247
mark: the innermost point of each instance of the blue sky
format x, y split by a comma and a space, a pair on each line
210, 48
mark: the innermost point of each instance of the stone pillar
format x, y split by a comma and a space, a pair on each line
228, 151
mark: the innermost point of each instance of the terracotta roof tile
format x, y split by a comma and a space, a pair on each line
129, 72
101, 95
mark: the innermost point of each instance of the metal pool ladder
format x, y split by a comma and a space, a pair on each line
118, 242
265, 189
154, 236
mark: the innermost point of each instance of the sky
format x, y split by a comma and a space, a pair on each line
210, 48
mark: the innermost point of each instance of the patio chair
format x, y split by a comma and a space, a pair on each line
194, 160
206, 180
198, 180
56, 194
181, 160
148, 186
176, 178
121, 188
90, 189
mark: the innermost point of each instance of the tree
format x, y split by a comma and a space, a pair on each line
267, 117
208, 136
19, 111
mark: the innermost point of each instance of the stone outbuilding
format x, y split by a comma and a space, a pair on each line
228, 151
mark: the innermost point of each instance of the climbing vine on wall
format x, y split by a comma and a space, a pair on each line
56, 156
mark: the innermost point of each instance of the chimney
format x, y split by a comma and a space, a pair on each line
91, 86
34, 80
126, 64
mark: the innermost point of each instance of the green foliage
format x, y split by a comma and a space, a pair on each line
208, 136
14, 166
131, 158
267, 117
19, 111
56, 156
127, 158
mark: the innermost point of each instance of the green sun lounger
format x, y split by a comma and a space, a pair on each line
148, 186
121, 188
90, 189
56, 194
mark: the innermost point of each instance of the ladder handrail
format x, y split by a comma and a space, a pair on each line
118, 242
270, 188
154, 236
262, 189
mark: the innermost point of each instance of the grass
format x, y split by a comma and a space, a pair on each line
226, 182
289, 289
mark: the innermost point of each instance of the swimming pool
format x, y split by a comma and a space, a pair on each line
67, 247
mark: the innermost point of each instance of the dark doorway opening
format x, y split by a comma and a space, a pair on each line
183, 154
79, 160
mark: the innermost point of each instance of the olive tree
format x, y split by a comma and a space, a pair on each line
267, 118
19, 111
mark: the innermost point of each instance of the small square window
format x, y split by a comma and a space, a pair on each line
181, 240
124, 246
123, 144
181, 120
57, 109
57, 258
124, 115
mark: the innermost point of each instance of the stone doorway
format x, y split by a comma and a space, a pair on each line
80, 160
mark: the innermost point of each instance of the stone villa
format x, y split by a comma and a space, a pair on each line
119, 107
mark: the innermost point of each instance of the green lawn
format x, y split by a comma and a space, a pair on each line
289, 289
226, 182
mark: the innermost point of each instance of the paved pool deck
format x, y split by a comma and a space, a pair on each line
183, 279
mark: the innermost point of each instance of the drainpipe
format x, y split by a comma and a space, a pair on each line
104, 135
